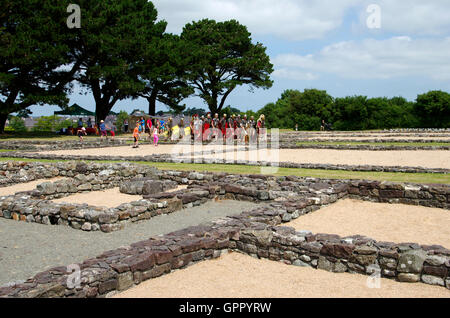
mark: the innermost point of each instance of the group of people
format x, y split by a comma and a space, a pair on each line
204, 128
235, 127
102, 129
153, 129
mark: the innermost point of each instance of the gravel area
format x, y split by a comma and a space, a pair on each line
383, 222
240, 276
27, 186
28, 248
404, 158
110, 198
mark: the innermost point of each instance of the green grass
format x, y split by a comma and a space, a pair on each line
375, 144
423, 178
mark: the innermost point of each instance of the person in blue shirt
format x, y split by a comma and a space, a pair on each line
141, 125
103, 132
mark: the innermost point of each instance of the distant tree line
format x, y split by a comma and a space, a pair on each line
121, 51
307, 109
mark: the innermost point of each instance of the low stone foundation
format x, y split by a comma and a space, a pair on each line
256, 232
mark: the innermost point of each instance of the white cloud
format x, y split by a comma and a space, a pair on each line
372, 59
305, 19
412, 17
289, 19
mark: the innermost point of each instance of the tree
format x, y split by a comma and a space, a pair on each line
162, 71
433, 109
123, 115
17, 124
110, 44
34, 43
223, 57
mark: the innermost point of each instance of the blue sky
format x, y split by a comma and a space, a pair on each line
325, 44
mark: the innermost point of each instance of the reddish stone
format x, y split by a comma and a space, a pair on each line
439, 271
91, 292
190, 245
163, 256
120, 268
107, 286
181, 261
337, 250
141, 262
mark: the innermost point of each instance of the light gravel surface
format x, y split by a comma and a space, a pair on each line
29, 248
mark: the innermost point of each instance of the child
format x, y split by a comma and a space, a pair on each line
81, 133
155, 137
113, 131
136, 135
103, 130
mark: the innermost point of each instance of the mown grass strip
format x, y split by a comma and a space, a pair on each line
423, 178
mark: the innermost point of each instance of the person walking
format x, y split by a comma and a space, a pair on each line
81, 132
181, 128
113, 131
136, 135
155, 136
142, 125
148, 128
125, 125
261, 127
169, 129
103, 132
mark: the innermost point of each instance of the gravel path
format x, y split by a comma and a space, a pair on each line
28, 248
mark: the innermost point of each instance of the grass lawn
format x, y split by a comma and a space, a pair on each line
375, 144
423, 178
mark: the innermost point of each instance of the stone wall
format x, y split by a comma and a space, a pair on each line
354, 254
256, 232
47, 145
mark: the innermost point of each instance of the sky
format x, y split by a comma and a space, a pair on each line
373, 48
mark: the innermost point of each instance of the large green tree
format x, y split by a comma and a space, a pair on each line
162, 71
433, 109
36, 63
111, 42
223, 57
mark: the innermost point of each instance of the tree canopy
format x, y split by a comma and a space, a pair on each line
223, 57
35, 60
110, 44
162, 70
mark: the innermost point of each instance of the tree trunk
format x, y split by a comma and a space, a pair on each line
3, 118
101, 112
152, 104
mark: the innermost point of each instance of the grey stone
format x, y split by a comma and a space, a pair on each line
411, 261
287, 217
125, 281
435, 260
325, 264
388, 263
433, 280
87, 226
300, 263
305, 258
